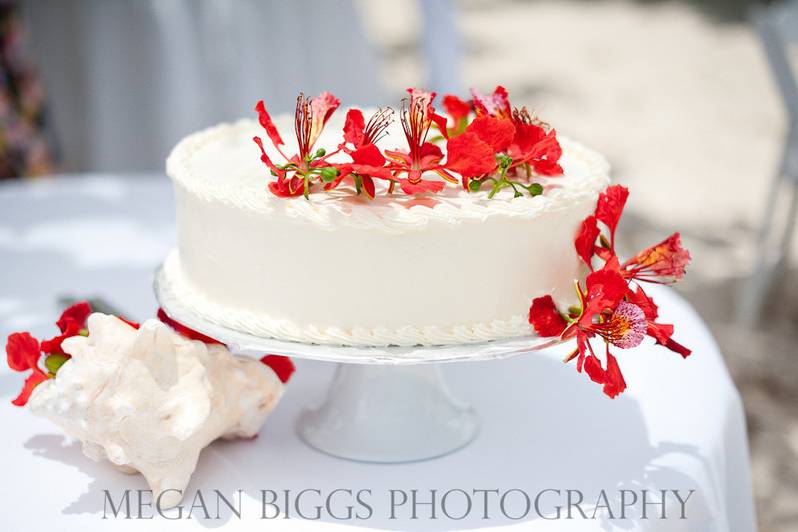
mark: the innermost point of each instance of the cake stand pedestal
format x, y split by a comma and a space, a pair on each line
385, 404
379, 413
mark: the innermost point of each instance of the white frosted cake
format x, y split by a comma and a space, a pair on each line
342, 269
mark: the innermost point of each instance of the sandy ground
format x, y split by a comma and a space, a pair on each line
682, 102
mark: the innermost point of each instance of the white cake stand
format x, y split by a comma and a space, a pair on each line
385, 404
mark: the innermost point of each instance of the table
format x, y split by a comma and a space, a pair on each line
546, 433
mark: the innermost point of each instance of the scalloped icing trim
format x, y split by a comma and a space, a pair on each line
179, 287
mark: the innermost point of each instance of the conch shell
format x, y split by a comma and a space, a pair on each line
150, 400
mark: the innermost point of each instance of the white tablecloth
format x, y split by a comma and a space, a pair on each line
679, 426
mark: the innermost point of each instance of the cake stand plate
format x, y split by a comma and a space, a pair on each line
385, 404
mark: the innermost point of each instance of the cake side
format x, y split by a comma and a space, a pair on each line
396, 270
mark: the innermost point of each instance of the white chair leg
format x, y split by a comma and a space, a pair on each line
767, 267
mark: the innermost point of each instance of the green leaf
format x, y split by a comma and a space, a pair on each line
358, 183
55, 361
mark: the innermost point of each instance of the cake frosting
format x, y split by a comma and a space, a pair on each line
340, 269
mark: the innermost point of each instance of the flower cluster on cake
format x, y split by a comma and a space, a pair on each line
499, 148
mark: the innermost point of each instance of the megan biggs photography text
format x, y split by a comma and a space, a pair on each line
401, 504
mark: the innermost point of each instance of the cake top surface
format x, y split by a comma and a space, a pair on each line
222, 163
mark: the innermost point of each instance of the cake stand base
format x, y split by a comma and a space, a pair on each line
387, 413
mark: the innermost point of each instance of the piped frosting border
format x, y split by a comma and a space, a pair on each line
178, 286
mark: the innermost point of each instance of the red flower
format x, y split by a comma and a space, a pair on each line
310, 117
603, 312
663, 263
468, 155
71, 323
367, 160
496, 105
282, 366
23, 353
422, 156
608, 307
534, 144
545, 317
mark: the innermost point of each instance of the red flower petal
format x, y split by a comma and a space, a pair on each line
469, 156
33, 380
585, 242
676, 347
322, 107
183, 330
610, 207
369, 155
267, 124
380, 172
77, 314
430, 152
605, 289
440, 122
526, 137
71, 323
353, 127
134, 324
287, 188
23, 351
420, 187
614, 382
611, 378
661, 332
368, 186
455, 107
545, 318
265, 158
545, 154
498, 132
497, 104
282, 366
641, 299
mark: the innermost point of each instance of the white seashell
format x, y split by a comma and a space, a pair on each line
149, 400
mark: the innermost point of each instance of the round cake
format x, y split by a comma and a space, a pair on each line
336, 268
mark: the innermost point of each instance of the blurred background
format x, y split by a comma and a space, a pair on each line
690, 101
